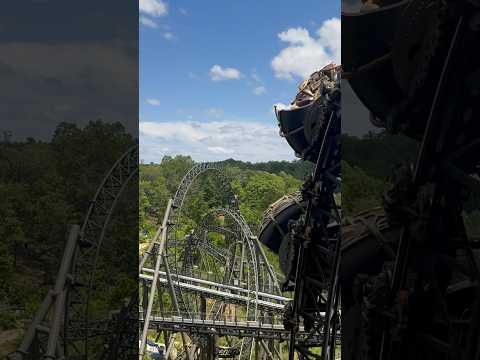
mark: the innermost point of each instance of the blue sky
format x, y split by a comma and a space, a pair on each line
211, 71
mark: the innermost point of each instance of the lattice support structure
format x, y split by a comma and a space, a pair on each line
216, 272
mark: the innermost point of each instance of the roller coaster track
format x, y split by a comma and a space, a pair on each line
199, 285
253, 329
228, 297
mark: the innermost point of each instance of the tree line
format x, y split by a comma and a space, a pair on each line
45, 187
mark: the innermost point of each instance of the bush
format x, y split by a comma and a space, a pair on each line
8, 320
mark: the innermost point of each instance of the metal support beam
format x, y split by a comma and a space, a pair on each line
267, 264
171, 343
266, 349
159, 249
55, 301
175, 303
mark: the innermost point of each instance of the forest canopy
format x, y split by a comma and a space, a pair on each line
45, 187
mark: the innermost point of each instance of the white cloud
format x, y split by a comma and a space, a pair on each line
306, 54
168, 35
296, 36
153, 102
217, 73
182, 11
153, 8
148, 22
259, 90
212, 141
220, 150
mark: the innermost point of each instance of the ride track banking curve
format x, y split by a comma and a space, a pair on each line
63, 328
216, 287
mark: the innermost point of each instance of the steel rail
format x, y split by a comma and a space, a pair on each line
217, 285
216, 293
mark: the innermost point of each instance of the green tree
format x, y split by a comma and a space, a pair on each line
359, 191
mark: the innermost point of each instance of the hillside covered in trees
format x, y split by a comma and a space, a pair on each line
367, 163
45, 187
256, 188
366, 166
258, 185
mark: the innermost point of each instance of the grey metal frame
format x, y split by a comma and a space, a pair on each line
90, 241
260, 294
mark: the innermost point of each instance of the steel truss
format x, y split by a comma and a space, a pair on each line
237, 328
207, 285
315, 239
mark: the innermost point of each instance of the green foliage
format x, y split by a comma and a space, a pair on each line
298, 169
8, 319
359, 191
375, 154
256, 190
366, 166
44, 187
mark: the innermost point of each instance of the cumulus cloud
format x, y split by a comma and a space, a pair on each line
306, 53
148, 22
220, 150
153, 102
218, 73
259, 90
212, 141
168, 35
155, 8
